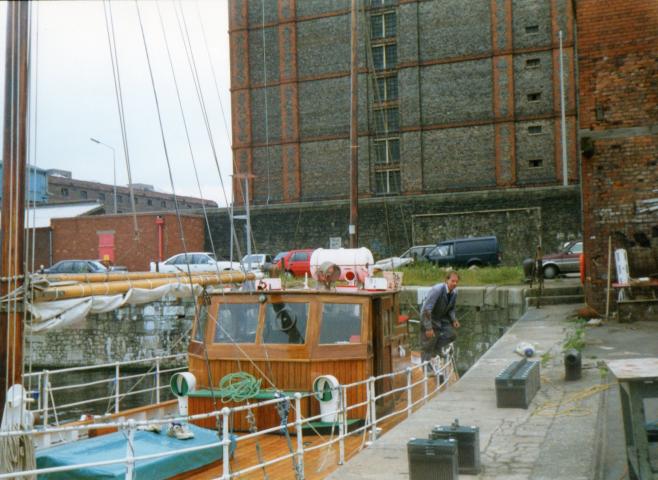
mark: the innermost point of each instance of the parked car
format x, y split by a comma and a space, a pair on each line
76, 266
298, 262
196, 261
466, 252
565, 261
417, 253
256, 261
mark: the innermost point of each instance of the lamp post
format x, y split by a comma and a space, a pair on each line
114, 170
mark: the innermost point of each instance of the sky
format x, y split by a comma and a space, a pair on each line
72, 92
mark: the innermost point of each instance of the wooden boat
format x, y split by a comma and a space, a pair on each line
288, 338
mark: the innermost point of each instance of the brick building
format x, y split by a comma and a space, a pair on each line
83, 237
454, 95
617, 52
459, 107
63, 188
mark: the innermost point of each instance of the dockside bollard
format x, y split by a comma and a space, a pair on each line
572, 365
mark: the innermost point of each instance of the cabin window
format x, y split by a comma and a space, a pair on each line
341, 323
201, 324
237, 323
285, 323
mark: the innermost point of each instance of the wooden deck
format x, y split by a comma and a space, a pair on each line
318, 463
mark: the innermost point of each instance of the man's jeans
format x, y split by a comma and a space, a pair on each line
443, 336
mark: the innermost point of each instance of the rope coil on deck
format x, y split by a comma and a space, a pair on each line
238, 387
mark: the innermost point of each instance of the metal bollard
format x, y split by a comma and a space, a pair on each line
572, 365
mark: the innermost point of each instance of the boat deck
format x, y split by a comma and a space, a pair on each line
317, 463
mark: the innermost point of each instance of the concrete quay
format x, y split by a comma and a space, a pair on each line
555, 438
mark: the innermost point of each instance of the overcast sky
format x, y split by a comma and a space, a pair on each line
73, 93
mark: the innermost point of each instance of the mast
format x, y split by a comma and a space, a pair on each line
13, 193
354, 138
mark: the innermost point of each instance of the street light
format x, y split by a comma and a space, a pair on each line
114, 170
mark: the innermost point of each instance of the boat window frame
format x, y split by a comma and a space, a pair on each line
210, 332
263, 317
361, 350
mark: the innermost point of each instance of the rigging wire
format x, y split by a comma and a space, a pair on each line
184, 32
116, 74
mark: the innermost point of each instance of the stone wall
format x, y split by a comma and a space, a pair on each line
388, 226
129, 333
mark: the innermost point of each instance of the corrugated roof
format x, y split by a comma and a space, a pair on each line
40, 217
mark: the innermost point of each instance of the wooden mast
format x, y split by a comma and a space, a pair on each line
354, 138
13, 193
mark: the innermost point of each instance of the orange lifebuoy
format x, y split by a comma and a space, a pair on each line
582, 268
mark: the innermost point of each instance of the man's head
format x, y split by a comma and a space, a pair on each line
452, 279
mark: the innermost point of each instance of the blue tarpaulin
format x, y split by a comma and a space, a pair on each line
114, 446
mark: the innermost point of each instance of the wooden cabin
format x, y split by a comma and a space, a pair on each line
288, 339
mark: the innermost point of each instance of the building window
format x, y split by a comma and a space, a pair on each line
387, 150
387, 120
136, 200
387, 89
101, 196
532, 63
382, 26
536, 163
387, 181
534, 97
149, 202
385, 57
119, 199
381, 3
163, 203
83, 194
534, 129
532, 29
65, 192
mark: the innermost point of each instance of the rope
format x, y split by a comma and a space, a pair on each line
571, 406
238, 387
17, 455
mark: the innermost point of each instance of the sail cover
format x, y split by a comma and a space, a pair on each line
70, 313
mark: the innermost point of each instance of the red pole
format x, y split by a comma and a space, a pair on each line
159, 221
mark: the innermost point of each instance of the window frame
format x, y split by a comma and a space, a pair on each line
384, 24
389, 158
385, 57
387, 172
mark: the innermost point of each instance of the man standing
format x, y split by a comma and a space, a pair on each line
438, 320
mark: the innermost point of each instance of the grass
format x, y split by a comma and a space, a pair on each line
425, 274
575, 338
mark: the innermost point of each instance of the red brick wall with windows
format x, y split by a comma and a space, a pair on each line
618, 114
78, 238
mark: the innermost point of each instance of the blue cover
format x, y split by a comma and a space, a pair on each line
114, 446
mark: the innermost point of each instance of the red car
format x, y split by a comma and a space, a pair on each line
565, 261
298, 262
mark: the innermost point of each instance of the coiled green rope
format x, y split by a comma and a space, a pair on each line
238, 387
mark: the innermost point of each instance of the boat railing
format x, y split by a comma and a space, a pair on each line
123, 382
370, 428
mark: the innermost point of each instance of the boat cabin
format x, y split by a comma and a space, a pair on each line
289, 338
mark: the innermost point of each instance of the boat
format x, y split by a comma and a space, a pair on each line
285, 382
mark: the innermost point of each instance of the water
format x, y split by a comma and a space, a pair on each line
480, 328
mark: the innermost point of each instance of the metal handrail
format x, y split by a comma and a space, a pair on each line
341, 413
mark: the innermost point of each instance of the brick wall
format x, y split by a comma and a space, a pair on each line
618, 47
78, 238
463, 96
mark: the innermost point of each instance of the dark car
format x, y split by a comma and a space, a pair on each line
76, 266
466, 252
565, 261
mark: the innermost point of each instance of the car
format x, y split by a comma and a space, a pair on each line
417, 253
466, 252
193, 262
298, 262
567, 260
76, 266
256, 262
